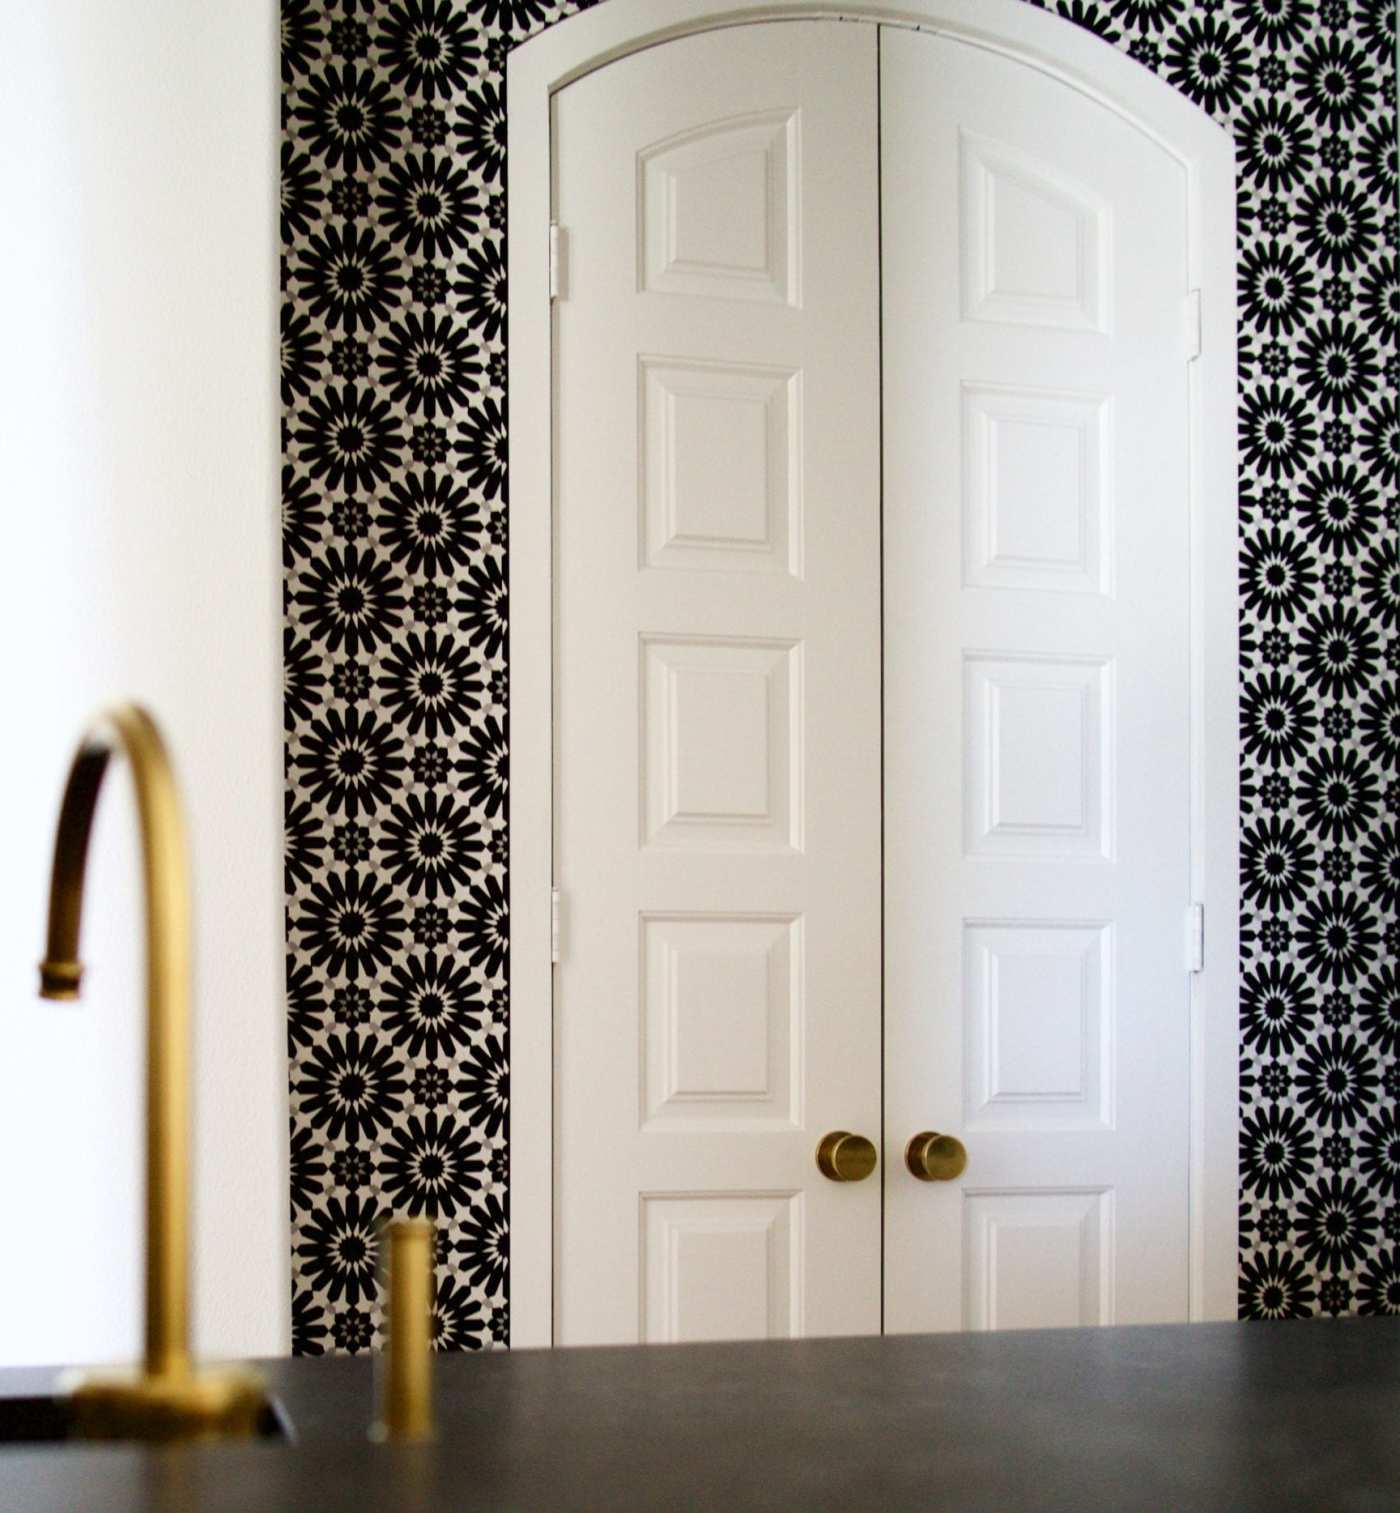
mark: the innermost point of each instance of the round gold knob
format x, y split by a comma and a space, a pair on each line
935, 1158
845, 1157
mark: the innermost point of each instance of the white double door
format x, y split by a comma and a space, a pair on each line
872, 692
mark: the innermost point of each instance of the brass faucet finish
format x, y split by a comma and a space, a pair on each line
407, 1414
169, 1399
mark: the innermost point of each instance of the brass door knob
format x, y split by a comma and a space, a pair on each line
845, 1157
935, 1158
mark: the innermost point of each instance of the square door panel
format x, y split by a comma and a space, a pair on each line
1036, 247
1038, 1258
721, 744
720, 1266
721, 1003
718, 212
1038, 760
1038, 1025
720, 467
1036, 505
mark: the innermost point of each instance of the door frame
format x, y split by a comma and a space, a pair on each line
591, 40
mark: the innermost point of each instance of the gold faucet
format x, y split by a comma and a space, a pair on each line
169, 1399
407, 1413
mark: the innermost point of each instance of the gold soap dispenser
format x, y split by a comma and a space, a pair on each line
169, 1398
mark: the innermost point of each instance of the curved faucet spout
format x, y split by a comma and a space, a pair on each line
129, 730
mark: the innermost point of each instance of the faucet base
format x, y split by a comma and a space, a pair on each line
221, 1404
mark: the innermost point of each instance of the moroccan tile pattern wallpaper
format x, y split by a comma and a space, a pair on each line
396, 686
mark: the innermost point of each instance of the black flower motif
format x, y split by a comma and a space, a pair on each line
1337, 651
426, 46
1380, 1011
351, 762
427, 525
428, 205
1276, 1008
1277, 435
350, 599
483, 1087
349, 437
430, 1006
352, 1086
1275, 24
1378, 1289
483, 608
1376, 157
428, 364
303, 841
1277, 1153
481, 131
306, 1005
1337, 794
1146, 15
1276, 289
1335, 83
1380, 868
1337, 508
1379, 1154
457, 1321
351, 924
430, 1165
339, 1248
1208, 63
300, 38
308, 1325
1277, 719
430, 845
428, 685
302, 518
1338, 227
1336, 365
352, 1330
1380, 440
1336, 1080
1275, 1286
346, 277
483, 766
302, 679
1275, 144
299, 193
1277, 863
348, 118
484, 1243
300, 354
481, 445
1336, 1223
306, 1170
1278, 575
485, 925
481, 289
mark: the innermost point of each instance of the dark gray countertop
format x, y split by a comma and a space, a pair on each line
1222, 1416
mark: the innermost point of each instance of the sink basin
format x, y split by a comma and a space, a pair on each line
47, 1420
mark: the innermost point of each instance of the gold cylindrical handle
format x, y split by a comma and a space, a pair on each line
845, 1157
932, 1157
408, 1381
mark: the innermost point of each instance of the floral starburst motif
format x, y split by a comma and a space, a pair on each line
396, 683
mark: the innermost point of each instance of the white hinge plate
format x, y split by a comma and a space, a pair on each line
1193, 325
557, 270
555, 910
1196, 938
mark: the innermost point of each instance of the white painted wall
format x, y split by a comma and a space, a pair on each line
139, 557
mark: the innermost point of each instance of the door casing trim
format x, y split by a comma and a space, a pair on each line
591, 40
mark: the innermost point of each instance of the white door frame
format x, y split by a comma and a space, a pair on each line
594, 38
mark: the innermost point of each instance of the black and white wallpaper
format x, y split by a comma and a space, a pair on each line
396, 686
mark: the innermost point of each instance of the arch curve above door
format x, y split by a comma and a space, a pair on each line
569, 52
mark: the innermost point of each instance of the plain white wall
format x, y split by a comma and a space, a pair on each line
139, 558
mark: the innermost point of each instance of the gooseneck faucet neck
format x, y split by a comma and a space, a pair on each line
130, 731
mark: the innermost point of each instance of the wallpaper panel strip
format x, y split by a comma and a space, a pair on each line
396, 687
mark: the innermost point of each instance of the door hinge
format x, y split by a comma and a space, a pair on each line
1193, 325
1196, 938
558, 250
555, 930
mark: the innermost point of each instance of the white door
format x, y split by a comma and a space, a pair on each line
717, 728
1037, 698
719, 691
